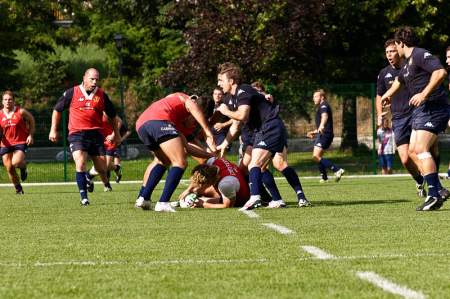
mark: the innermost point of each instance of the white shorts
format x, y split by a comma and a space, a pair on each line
229, 186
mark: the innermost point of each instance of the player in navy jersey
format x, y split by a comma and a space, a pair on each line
272, 200
270, 136
324, 136
86, 103
401, 114
423, 75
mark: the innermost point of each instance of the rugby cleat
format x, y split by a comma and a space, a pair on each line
141, 203
431, 203
19, 191
444, 193
275, 204
107, 189
23, 174
164, 207
420, 190
338, 174
252, 203
322, 181
303, 202
89, 183
444, 177
84, 202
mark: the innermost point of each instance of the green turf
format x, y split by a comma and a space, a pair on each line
357, 163
53, 248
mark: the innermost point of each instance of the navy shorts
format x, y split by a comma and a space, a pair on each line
154, 132
402, 129
11, 149
386, 161
431, 117
90, 141
247, 136
113, 153
272, 136
323, 140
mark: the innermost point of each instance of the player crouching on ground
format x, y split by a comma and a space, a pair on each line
218, 184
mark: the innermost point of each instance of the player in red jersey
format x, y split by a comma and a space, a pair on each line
111, 149
163, 128
17, 127
218, 184
86, 103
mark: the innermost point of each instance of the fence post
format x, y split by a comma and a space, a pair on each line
64, 137
374, 128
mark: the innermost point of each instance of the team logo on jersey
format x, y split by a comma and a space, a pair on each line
240, 91
388, 75
324, 106
80, 99
96, 99
426, 55
262, 143
428, 125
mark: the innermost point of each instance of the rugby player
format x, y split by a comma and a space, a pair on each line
86, 103
17, 128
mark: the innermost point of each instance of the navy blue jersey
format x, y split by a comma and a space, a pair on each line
261, 110
324, 107
400, 101
416, 73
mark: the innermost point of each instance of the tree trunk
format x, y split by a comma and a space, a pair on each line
349, 137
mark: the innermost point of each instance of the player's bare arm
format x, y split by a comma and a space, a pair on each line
437, 77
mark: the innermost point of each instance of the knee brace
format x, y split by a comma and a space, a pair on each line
424, 155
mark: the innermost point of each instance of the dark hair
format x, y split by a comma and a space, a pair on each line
405, 35
231, 70
448, 49
259, 86
389, 42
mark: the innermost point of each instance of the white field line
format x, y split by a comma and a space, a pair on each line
389, 286
250, 213
148, 263
318, 253
381, 256
281, 229
363, 176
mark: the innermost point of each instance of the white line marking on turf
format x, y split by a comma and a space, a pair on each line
389, 286
281, 229
362, 176
250, 213
318, 253
381, 256
145, 263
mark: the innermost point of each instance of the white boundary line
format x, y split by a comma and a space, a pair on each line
318, 253
381, 256
363, 176
250, 213
389, 286
281, 229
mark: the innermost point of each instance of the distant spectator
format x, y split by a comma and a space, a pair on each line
386, 147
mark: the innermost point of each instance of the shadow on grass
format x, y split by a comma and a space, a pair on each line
354, 202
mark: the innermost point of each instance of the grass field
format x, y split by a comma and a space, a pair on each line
367, 229
356, 163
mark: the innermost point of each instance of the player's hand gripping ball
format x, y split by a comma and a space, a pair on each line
188, 201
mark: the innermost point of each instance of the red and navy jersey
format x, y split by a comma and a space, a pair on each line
85, 110
416, 74
172, 109
261, 110
226, 168
324, 107
15, 130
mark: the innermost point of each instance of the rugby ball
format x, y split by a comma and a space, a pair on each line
188, 201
